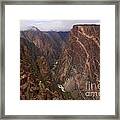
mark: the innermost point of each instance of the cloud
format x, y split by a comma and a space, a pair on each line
54, 25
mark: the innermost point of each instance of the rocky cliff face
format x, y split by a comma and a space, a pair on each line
79, 63
60, 65
39, 52
49, 43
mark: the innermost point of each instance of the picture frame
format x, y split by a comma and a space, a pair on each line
69, 2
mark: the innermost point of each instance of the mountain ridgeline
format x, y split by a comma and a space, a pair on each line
63, 65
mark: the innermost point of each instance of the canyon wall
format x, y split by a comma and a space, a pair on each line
60, 65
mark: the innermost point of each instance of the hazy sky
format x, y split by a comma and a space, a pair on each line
54, 25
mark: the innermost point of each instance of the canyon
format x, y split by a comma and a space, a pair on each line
56, 65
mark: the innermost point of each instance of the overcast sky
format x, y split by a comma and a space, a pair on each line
54, 25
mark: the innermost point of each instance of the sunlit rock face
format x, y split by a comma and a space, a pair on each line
60, 65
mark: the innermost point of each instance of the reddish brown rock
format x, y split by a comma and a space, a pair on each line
60, 65
80, 60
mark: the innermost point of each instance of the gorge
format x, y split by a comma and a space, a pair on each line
56, 65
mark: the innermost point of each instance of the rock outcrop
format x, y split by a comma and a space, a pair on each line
79, 63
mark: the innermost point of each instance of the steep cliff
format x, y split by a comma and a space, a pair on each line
79, 63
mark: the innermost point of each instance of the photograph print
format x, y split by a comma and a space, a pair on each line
59, 60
